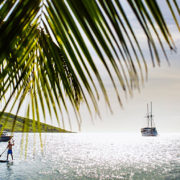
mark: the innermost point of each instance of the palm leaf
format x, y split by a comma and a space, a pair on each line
45, 51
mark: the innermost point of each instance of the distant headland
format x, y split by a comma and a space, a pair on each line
26, 125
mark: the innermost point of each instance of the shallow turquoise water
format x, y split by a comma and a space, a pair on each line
93, 156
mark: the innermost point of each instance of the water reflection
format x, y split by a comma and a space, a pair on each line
95, 156
9, 164
9, 172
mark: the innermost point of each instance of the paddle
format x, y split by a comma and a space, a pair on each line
3, 152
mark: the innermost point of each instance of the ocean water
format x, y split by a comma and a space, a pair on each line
93, 156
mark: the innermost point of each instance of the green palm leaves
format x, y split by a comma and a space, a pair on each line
51, 50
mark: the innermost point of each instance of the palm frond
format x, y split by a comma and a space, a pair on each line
45, 50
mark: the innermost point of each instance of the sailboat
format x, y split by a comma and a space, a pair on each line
150, 130
4, 137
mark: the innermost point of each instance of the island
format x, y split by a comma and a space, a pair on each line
26, 125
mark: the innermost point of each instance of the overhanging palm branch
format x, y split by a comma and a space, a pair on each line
45, 51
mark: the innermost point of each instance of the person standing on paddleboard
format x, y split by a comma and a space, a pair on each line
9, 147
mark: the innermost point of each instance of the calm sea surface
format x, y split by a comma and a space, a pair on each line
93, 156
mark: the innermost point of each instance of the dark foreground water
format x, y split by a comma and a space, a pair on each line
93, 156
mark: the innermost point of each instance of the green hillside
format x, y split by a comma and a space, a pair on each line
21, 126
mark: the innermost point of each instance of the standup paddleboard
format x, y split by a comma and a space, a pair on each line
3, 161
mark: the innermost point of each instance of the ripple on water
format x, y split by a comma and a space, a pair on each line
95, 156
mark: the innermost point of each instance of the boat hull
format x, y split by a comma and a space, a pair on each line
5, 138
149, 131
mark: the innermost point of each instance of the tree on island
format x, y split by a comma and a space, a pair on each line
51, 50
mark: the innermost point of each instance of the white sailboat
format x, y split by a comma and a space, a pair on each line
150, 130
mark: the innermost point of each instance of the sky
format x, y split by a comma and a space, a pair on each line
162, 88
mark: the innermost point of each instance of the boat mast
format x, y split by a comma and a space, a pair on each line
147, 115
151, 115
